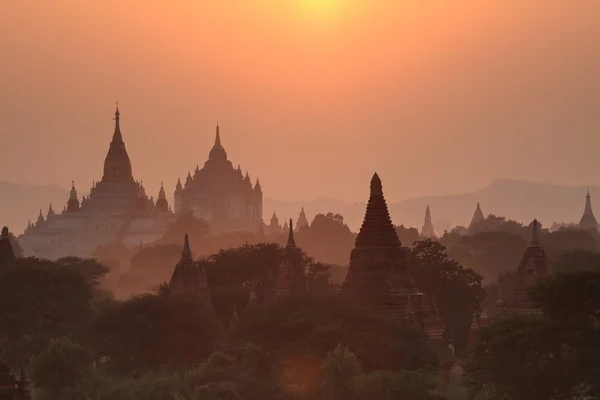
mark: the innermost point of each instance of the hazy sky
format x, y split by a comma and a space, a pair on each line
312, 96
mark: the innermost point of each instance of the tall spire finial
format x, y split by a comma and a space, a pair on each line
534, 234
218, 136
291, 242
186, 254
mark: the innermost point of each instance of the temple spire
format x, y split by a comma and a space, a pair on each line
427, 231
477, 216
218, 136
117, 136
377, 229
588, 220
291, 242
186, 254
535, 240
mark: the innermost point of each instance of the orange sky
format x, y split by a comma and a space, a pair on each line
437, 96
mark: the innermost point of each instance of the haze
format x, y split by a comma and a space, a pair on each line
436, 96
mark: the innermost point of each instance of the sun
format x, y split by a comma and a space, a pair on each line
320, 7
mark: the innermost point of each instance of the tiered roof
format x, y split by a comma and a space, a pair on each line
290, 277
189, 279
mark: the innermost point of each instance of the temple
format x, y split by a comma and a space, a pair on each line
221, 194
477, 217
117, 209
427, 231
588, 220
189, 279
290, 278
302, 220
533, 268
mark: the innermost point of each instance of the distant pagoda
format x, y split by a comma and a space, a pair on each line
477, 217
189, 279
533, 268
588, 220
427, 231
290, 278
302, 220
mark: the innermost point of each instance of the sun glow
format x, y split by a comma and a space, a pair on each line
320, 7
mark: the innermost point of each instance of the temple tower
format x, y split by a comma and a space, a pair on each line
477, 216
378, 275
533, 268
302, 220
162, 204
290, 278
189, 279
7, 254
274, 226
117, 165
588, 220
50, 214
73, 202
427, 231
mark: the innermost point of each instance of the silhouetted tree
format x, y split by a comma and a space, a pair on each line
196, 228
407, 236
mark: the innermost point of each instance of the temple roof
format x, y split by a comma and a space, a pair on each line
217, 153
588, 220
427, 230
117, 165
291, 243
377, 229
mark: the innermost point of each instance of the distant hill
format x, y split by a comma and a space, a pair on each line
518, 200
22, 202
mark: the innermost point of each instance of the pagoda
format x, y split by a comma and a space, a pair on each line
533, 268
427, 231
477, 217
378, 275
290, 278
189, 279
302, 220
588, 220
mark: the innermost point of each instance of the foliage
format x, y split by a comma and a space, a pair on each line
495, 223
61, 365
457, 291
16, 246
91, 269
311, 325
490, 253
147, 332
196, 228
577, 260
388, 385
340, 369
407, 236
327, 239
552, 357
40, 300
565, 240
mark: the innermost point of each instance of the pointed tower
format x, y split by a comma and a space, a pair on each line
161, 204
7, 255
117, 165
73, 202
189, 279
274, 226
427, 231
257, 187
378, 275
40, 220
142, 199
302, 221
286, 227
50, 214
588, 220
290, 278
477, 217
533, 268
217, 153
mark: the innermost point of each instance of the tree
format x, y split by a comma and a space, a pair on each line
489, 253
313, 324
151, 265
565, 240
327, 239
389, 385
149, 331
61, 365
16, 246
89, 268
494, 223
577, 260
340, 369
407, 236
457, 291
41, 300
196, 228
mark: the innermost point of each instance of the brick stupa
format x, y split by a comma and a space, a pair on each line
533, 268
378, 275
